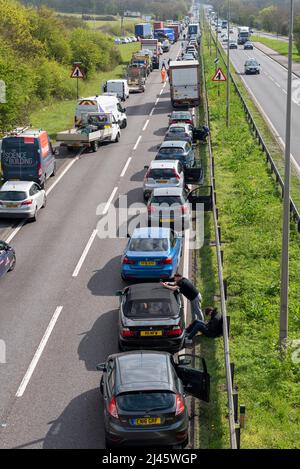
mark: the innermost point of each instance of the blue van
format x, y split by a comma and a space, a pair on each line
27, 156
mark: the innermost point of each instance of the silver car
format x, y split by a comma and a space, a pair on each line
163, 174
169, 206
180, 131
21, 199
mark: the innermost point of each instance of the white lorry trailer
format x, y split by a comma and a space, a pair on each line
184, 78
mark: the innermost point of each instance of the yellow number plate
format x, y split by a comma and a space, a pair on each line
151, 333
11, 205
147, 421
169, 220
147, 263
162, 182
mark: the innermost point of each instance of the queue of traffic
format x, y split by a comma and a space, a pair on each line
144, 387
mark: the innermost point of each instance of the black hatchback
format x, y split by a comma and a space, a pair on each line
144, 397
151, 317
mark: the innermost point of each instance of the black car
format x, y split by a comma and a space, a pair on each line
144, 397
151, 317
248, 46
7, 258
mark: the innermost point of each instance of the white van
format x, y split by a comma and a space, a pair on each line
120, 87
109, 104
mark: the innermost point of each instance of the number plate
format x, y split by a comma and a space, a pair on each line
162, 182
151, 333
146, 421
169, 220
11, 205
147, 263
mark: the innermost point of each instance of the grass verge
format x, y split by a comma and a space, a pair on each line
250, 212
282, 47
59, 115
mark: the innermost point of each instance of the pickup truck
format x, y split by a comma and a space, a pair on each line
96, 127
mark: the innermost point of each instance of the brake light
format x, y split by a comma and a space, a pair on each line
125, 332
176, 175
40, 169
179, 404
184, 209
112, 408
151, 209
27, 202
168, 260
128, 261
147, 174
176, 330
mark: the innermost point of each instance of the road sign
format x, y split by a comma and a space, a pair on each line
77, 72
219, 76
216, 60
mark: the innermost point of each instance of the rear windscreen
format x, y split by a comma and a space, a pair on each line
169, 200
150, 308
146, 401
13, 195
170, 151
161, 174
149, 244
20, 151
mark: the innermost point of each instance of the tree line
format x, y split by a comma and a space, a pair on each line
37, 50
162, 9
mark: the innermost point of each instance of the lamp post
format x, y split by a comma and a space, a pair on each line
286, 198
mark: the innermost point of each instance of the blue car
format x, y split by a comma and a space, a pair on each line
7, 258
151, 253
177, 150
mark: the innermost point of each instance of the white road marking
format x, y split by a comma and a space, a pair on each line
152, 110
156, 102
161, 91
109, 201
62, 174
39, 352
125, 167
137, 142
84, 254
145, 126
16, 230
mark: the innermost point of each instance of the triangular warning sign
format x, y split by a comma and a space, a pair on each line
219, 76
77, 72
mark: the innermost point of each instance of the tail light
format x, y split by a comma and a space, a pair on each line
112, 408
27, 202
179, 404
125, 332
184, 208
128, 261
176, 330
168, 260
147, 174
151, 209
40, 170
176, 175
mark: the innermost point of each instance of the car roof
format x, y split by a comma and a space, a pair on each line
173, 143
167, 191
151, 232
143, 370
16, 186
163, 164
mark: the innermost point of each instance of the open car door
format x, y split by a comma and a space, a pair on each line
196, 382
201, 195
193, 175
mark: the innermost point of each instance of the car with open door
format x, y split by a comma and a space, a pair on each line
151, 317
144, 397
7, 258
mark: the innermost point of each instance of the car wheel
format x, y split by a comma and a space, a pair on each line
45, 202
107, 444
123, 277
54, 171
121, 348
117, 139
13, 265
95, 146
101, 385
34, 218
124, 124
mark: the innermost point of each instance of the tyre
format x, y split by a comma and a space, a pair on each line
101, 385
34, 218
117, 139
107, 444
124, 124
95, 146
13, 265
123, 277
45, 202
54, 171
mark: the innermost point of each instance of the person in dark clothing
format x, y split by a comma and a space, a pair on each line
188, 289
212, 328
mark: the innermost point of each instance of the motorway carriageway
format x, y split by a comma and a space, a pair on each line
269, 91
59, 312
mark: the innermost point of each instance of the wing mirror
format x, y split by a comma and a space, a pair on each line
101, 367
119, 293
146, 167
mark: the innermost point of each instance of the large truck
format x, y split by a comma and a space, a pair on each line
176, 29
158, 25
184, 83
165, 33
243, 34
140, 58
143, 30
136, 78
193, 29
152, 44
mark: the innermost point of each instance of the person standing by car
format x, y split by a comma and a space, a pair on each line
212, 328
187, 289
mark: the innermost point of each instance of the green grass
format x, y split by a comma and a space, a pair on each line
60, 114
277, 45
250, 212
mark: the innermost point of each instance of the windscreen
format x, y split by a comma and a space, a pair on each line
146, 401
20, 151
149, 244
171, 150
161, 173
150, 309
14, 196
